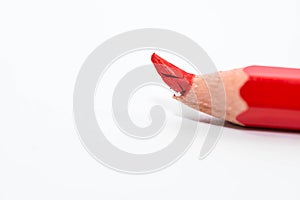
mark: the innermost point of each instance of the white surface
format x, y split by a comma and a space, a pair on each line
42, 46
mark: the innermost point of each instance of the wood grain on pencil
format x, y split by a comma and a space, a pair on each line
256, 96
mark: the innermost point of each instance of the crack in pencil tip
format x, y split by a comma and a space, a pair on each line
182, 90
170, 76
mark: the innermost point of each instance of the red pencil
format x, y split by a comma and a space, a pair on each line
256, 96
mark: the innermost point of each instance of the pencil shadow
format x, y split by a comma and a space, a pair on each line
204, 118
279, 131
248, 129
197, 116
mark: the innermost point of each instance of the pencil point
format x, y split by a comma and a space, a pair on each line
178, 80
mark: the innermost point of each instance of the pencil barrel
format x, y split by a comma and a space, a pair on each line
272, 95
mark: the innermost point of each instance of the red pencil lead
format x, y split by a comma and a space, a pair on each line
177, 79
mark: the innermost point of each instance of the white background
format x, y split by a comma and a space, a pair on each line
42, 47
